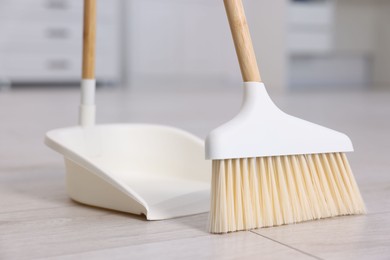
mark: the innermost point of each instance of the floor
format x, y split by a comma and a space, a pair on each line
38, 220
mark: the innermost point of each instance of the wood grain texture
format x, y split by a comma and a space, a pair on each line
242, 40
89, 39
38, 220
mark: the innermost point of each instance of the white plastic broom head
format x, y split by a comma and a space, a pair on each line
262, 129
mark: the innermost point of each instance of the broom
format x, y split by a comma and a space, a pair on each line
270, 168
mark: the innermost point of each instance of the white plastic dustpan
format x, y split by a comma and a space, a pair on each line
154, 170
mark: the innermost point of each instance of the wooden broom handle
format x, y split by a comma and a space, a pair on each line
242, 40
89, 39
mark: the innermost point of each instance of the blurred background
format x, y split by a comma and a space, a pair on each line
300, 44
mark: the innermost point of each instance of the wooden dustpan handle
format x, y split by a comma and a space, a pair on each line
242, 40
89, 39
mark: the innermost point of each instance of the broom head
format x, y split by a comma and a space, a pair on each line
270, 168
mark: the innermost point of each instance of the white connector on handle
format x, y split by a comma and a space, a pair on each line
87, 111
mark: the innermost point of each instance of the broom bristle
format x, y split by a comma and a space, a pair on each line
260, 192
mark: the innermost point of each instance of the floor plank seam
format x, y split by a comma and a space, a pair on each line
291, 247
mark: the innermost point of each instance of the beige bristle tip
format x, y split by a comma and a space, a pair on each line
260, 192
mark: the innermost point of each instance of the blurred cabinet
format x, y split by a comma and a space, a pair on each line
40, 40
179, 42
188, 43
310, 27
330, 43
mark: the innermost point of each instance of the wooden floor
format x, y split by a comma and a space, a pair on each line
38, 220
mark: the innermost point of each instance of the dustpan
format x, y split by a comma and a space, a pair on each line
154, 170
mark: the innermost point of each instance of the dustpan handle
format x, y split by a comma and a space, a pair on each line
89, 39
242, 40
88, 84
